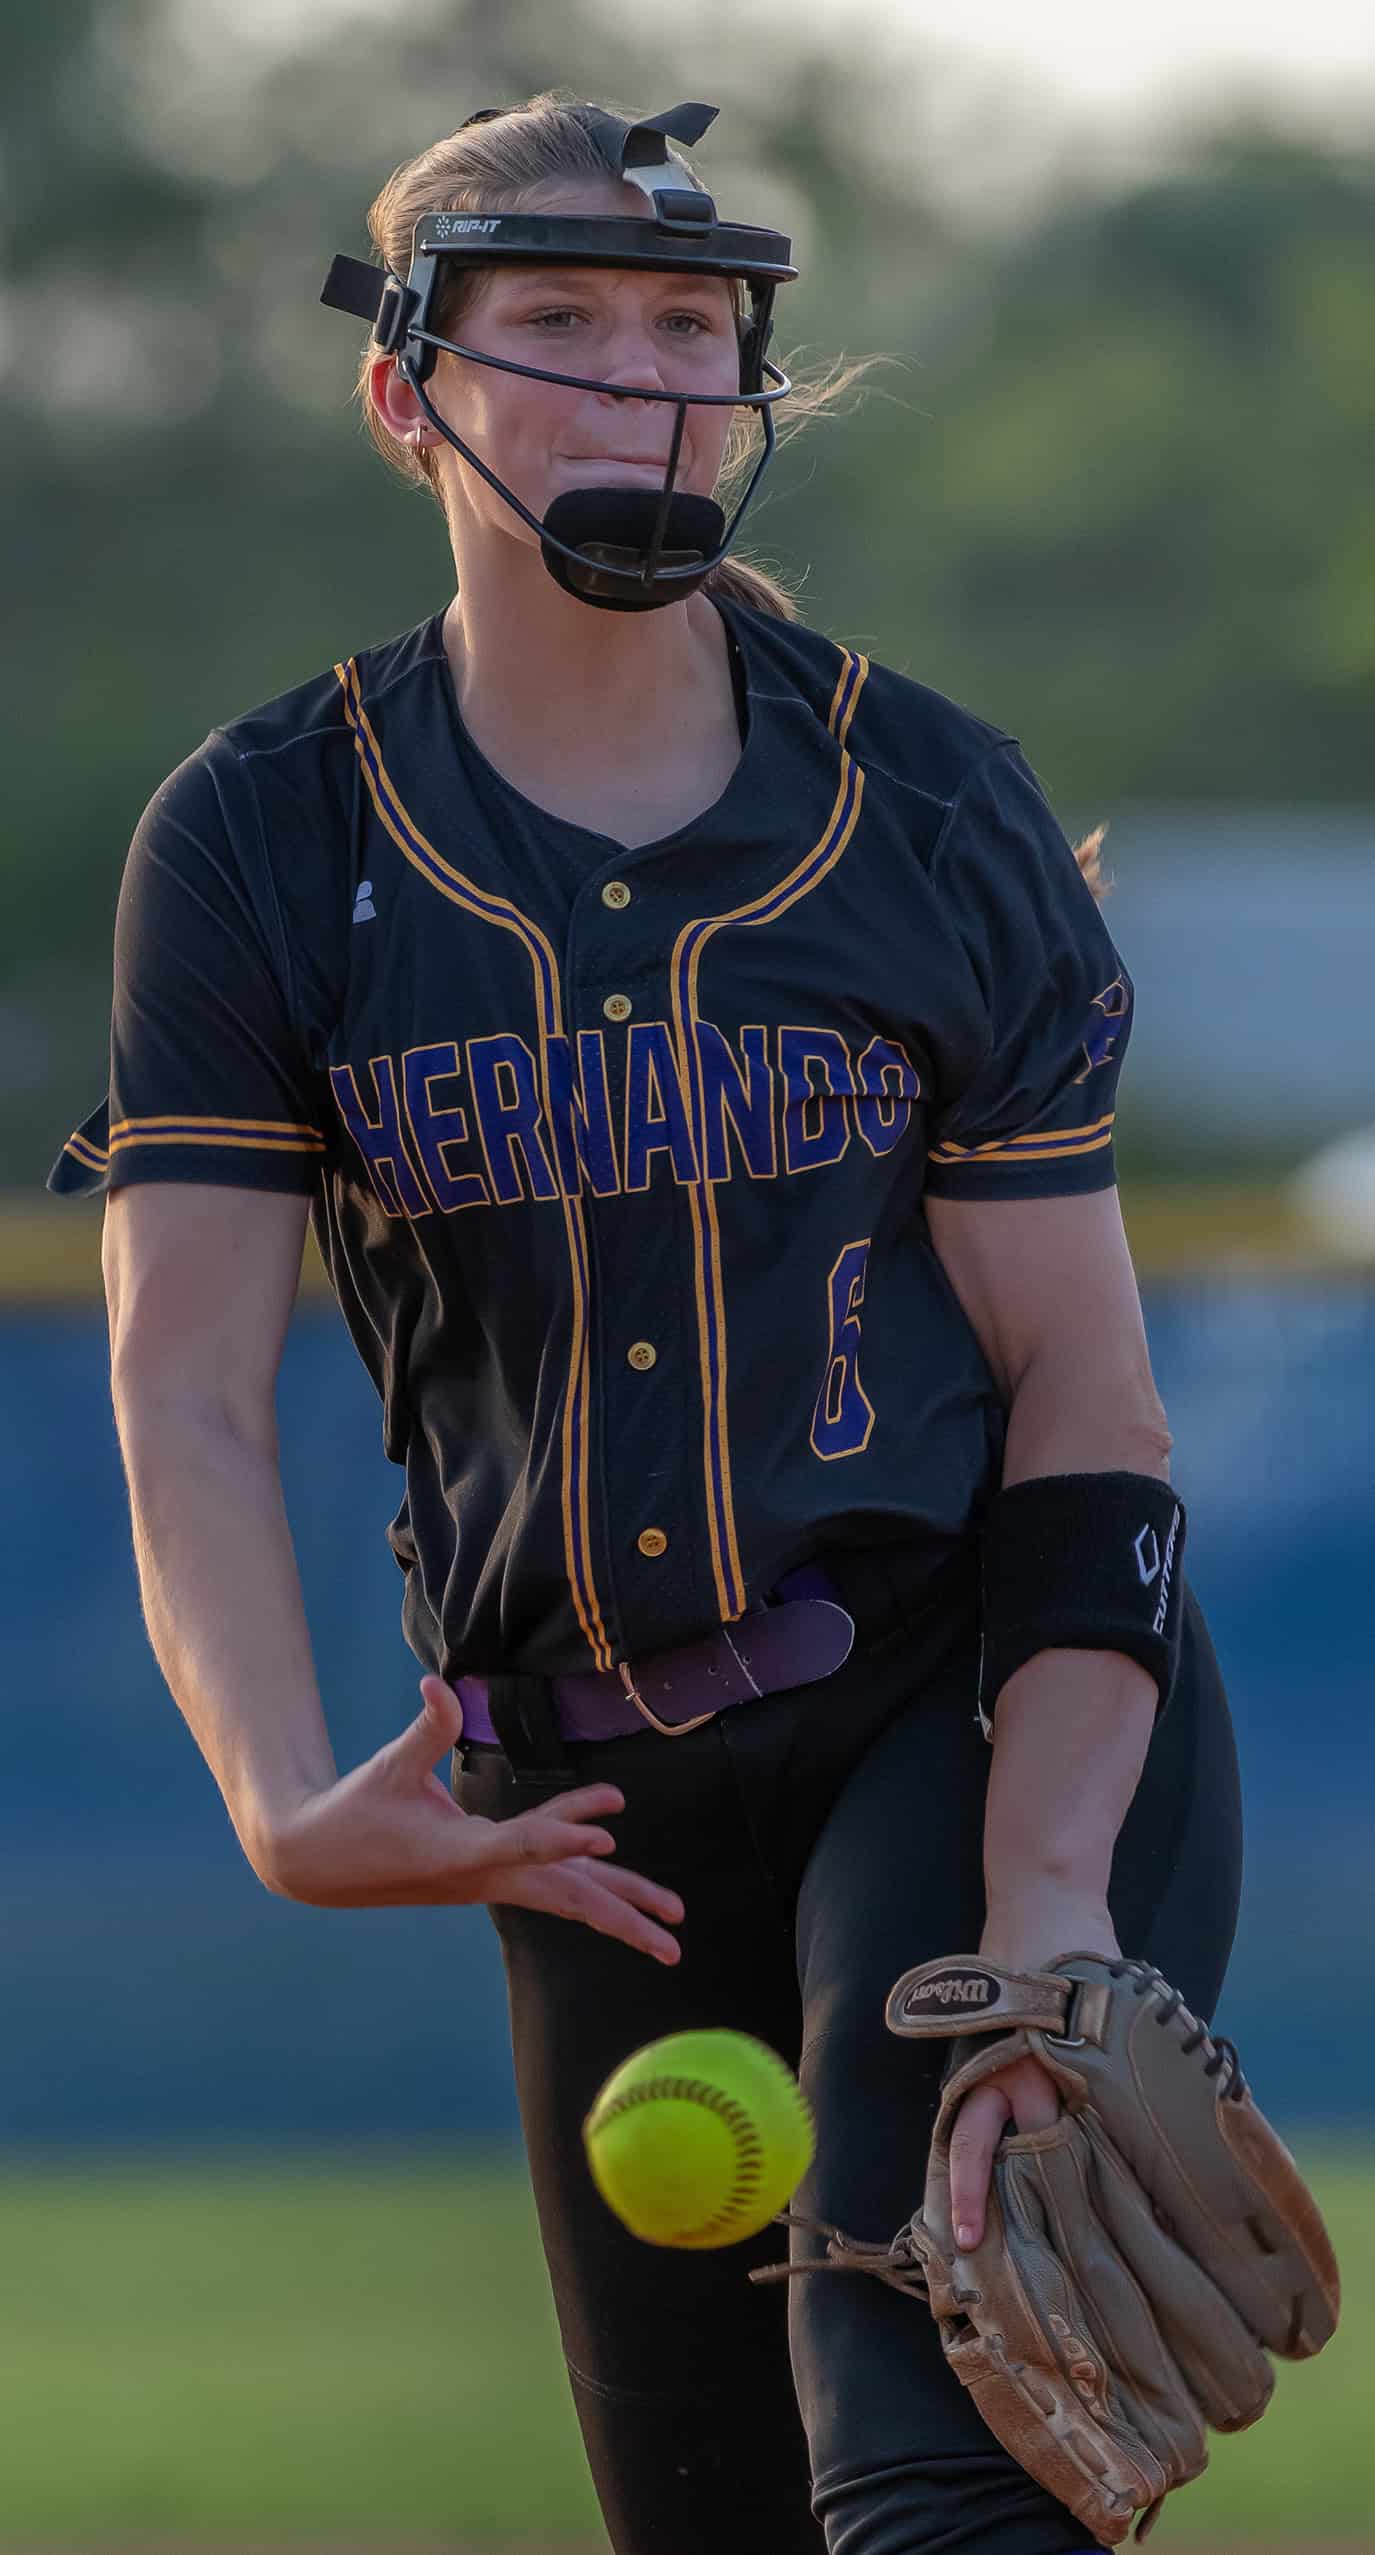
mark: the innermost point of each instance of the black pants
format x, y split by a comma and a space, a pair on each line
822, 1841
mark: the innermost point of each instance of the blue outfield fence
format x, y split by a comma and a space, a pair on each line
152, 1990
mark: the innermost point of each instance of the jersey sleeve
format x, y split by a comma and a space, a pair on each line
1026, 1093
209, 1078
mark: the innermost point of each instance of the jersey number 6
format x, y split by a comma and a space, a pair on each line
844, 1413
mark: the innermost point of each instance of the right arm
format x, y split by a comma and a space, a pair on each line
200, 1282
199, 1286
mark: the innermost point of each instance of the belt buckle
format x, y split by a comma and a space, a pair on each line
666, 1729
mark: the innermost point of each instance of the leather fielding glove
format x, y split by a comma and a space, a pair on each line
1140, 2258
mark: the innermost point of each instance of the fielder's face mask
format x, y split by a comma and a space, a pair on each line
624, 549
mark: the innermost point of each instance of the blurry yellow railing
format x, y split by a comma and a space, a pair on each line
50, 1249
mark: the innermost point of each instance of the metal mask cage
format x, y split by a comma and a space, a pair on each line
680, 233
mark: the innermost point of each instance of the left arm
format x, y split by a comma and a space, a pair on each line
1047, 1286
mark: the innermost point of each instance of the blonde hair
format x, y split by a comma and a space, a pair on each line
498, 165
1089, 855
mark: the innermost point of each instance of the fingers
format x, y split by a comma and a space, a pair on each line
977, 2131
590, 1801
620, 1914
562, 1825
438, 1728
554, 1830
536, 1837
1023, 2094
544, 1857
649, 1895
1035, 2096
621, 1904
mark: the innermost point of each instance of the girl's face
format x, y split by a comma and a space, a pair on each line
659, 331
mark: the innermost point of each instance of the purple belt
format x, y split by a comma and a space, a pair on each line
792, 1642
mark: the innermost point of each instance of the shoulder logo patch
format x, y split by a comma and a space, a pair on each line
1107, 1016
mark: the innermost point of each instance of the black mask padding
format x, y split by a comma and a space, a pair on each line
613, 528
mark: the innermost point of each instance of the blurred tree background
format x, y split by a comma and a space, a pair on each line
1113, 490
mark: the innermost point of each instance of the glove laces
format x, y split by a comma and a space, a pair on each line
1221, 2053
897, 2263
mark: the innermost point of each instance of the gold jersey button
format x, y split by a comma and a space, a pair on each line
615, 894
652, 1541
642, 1353
617, 1006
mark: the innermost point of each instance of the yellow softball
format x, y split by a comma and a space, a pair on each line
699, 2139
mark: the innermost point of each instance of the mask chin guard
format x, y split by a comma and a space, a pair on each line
630, 531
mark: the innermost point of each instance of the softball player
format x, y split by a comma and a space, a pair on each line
695, 1048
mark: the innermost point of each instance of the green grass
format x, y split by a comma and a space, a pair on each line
365, 2354
292, 2352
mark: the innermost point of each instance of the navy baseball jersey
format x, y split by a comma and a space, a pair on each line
616, 1158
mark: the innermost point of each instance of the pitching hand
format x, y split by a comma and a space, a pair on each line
390, 1834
